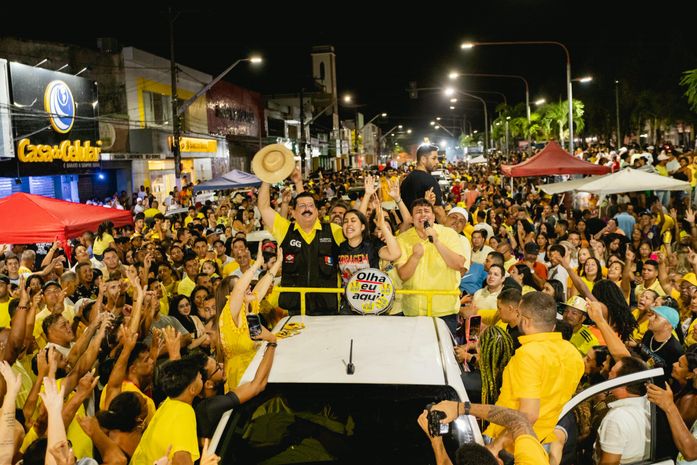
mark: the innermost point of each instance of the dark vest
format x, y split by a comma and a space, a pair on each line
309, 265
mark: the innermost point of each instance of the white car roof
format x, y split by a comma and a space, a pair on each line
386, 350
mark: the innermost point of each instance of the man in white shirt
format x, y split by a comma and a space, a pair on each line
479, 249
625, 433
557, 271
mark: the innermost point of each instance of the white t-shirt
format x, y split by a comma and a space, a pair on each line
480, 257
626, 429
560, 274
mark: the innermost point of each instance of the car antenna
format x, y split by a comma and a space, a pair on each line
350, 368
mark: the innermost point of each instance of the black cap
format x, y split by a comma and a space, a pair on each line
50, 283
4, 278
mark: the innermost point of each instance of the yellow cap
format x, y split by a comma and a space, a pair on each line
690, 278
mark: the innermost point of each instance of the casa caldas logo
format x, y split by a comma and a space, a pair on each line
60, 107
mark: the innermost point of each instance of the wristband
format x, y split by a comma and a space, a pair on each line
271, 344
468, 405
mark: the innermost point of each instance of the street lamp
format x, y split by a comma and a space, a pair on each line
454, 75
617, 110
539, 102
450, 91
469, 45
178, 108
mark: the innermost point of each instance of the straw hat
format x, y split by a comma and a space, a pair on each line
273, 163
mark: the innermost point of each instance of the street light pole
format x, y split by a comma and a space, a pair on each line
617, 112
469, 45
513, 76
486, 115
178, 109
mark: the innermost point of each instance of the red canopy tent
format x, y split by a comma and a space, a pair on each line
550, 161
28, 218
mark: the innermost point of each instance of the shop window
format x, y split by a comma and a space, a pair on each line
158, 109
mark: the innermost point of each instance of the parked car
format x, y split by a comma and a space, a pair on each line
314, 410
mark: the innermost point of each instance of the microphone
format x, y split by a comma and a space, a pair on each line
428, 225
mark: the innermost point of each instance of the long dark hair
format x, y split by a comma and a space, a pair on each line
364, 221
528, 280
186, 320
619, 315
105, 227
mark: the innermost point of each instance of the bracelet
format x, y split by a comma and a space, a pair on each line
272, 344
458, 408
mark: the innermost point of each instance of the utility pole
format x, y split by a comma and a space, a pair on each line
617, 113
303, 168
176, 119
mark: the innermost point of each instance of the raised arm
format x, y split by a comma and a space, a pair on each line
393, 185
268, 214
118, 373
7, 422
614, 343
391, 250
575, 279
237, 295
265, 282
249, 390
369, 188
53, 400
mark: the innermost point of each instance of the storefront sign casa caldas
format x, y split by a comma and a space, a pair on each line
54, 122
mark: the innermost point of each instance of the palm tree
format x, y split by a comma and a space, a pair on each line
555, 119
689, 80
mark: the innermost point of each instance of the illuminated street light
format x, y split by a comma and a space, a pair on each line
569, 91
539, 101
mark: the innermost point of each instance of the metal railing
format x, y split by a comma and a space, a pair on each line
429, 293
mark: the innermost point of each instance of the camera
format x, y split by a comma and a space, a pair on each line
435, 427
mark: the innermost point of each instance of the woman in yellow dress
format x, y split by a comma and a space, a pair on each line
235, 341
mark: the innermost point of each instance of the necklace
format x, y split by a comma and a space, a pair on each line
659, 347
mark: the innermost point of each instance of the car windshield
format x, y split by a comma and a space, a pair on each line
336, 423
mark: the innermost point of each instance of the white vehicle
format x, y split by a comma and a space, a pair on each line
443, 178
317, 409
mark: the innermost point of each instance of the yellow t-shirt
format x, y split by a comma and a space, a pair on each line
230, 268
431, 273
128, 386
174, 424
584, 340
656, 286
100, 245
5, 314
547, 368
529, 451
281, 226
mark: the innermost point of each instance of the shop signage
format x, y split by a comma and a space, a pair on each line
54, 123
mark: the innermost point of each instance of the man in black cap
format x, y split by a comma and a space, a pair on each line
539, 270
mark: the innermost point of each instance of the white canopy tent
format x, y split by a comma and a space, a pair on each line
626, 180
478, 160
566, 186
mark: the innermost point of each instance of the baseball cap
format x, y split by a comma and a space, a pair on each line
690, 278
668, 313
4, 278
577, 302
50, 283
461, 211
269, 247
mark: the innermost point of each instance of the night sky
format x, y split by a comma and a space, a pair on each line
381, 48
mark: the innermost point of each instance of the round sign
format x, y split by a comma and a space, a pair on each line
370, 292
60, 106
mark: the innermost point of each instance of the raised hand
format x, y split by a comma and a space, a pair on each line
12, 381
286, 195
296, 176
172, 341
430, 196
62, 453
260, 256
87, 383
52, 396
629, 255
393, 186
690, 215
369, 185
595, 310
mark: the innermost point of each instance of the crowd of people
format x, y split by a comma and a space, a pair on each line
109, 341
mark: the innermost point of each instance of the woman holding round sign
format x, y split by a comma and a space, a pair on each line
361, 250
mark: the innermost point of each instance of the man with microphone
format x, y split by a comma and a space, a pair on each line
432, 257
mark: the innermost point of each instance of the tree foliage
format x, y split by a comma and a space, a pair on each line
689, 80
